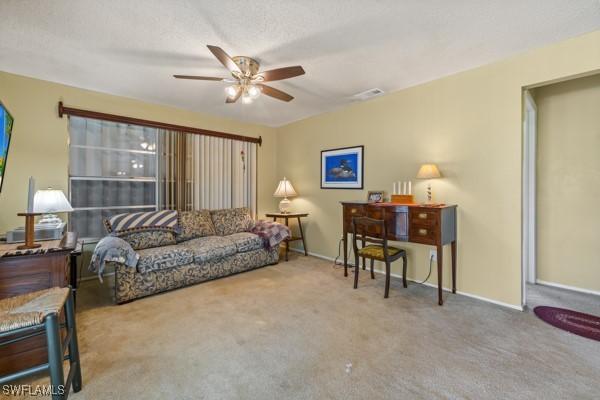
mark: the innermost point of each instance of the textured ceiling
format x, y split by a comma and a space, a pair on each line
132, 47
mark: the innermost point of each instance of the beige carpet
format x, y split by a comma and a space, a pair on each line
288, 331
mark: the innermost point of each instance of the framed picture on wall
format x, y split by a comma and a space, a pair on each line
342, 168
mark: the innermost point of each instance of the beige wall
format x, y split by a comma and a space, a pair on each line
470, 125
568, 168
39, 143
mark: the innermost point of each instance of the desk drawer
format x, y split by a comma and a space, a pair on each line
424, 217
351, 211
423, 234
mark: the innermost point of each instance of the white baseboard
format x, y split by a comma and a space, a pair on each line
573, 288
473, 296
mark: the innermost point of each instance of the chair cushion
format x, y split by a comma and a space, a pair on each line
375, 251
209, 248
195, 224
232, 220
246, 241
31, 308
158, 258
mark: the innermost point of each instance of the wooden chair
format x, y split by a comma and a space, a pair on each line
38, 313
369, 230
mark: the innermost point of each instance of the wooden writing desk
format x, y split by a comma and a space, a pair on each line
414, 223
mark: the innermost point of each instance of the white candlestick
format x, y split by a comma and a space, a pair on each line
403, 187
30, 194
409, 187
395, 188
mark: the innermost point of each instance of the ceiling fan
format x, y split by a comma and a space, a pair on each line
247, 81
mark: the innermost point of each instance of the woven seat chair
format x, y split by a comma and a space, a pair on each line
37, 313
369, 230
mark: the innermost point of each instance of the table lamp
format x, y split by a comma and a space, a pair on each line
429, 171
285, 190
48, 202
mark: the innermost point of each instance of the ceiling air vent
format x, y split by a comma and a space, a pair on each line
368, 94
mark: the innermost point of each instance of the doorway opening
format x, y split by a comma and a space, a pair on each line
561, 181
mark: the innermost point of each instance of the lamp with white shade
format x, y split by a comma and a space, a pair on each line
429, 171
285, 190
48, 202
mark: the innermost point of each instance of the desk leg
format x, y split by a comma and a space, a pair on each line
440, 250
302, 236
345, 240
453, 266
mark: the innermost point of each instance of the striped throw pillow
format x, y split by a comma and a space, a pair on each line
143, 221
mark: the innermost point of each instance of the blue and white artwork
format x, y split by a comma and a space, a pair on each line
342, 168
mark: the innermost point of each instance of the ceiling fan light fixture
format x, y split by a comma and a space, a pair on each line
246, 99
253, 91
231, 90
246, 80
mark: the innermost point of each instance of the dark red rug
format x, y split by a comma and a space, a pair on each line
581, 324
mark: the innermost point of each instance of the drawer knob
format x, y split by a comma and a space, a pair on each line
353, 211
423, 215
423, 232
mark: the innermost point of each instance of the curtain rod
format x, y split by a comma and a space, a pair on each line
62, 110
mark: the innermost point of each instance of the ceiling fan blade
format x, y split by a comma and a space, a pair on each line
224, 58
233, 99
276, 93
281, 73
200, 78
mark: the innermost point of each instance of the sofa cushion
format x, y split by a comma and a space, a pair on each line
148, 239
210, 248
164, 257
231, 220
195, 224
165, 220
245, 241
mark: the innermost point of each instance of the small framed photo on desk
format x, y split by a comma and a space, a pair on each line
375, 196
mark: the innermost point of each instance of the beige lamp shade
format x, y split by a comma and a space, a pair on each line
48, 202
51, 201
428, 171
285, 189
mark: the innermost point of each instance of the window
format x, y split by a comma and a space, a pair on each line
117, 168
113, 169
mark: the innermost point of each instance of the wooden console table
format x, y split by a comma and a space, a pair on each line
286, 217
45, 267
429, 225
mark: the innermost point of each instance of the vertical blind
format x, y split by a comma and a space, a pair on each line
206, 172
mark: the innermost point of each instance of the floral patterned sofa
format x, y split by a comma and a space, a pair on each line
206, 245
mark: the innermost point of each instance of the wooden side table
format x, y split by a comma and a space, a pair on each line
286, 217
